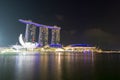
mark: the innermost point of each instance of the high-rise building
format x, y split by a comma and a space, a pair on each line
55, 36
30, 33
43, 36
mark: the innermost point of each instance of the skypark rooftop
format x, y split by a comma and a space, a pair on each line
38, 25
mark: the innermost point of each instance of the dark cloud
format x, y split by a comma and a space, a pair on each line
101, 38
59, 17
94, 36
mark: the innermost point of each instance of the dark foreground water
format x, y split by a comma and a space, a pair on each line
60, 67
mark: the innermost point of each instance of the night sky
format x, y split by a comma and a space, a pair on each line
84, 21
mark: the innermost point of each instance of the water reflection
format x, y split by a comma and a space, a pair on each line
107, 66
24, 67
52, 66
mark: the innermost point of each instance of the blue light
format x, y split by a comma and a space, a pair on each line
80, 45
56, 45
38, 25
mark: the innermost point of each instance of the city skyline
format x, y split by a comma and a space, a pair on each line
92, 22
45, 33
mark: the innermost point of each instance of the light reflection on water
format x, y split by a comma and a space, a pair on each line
24, 67
71, 66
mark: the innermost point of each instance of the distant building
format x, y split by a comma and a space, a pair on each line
30, 33
43, 36
55, 36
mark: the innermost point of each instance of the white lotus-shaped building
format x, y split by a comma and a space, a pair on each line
28, 45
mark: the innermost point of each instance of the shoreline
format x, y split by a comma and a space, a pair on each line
54, 50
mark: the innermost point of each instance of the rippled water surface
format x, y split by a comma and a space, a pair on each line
74, 66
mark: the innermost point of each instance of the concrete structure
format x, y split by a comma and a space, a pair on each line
43, 36
43, 33
30, 33
55, 36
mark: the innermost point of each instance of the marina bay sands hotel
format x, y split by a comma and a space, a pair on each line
44, 32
